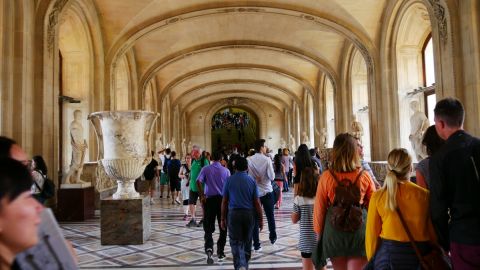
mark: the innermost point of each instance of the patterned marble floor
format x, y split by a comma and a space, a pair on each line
174, 246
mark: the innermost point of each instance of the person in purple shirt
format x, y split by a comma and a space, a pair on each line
213, 177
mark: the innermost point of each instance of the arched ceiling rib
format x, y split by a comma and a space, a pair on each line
287, 85
211, 69
184, 45
212, 99
239, 89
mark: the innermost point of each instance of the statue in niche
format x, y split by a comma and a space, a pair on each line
305, 139
283, 144
357, 128
418, 124
293, 147
79, 146
184, 147
158, 143
172, 144
323, 138
189, 147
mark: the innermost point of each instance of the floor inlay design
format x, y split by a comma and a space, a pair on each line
174, 246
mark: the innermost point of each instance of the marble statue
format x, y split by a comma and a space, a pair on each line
418, 124
184, 147
323, 138
293, 147
357, 128
305, 139
158, 143
282, 143
172, 144
79, 146
189, 147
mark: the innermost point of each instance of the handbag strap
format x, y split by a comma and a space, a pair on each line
410, 237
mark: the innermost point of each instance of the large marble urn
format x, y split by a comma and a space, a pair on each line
123, 139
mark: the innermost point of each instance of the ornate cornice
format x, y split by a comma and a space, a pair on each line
440, 16
52, 23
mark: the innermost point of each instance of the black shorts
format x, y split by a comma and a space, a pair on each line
306, 255
193, 197
175, 184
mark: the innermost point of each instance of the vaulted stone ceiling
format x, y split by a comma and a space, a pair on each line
205, 49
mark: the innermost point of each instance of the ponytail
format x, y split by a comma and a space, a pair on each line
390, 189
399, 167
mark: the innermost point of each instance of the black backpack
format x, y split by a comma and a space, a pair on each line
173, 169
166, 163
48, 190
149, 172
347, 215
276, 191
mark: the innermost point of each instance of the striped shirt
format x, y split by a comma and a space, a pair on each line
304, 207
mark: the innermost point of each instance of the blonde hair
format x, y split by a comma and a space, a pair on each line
399, 167
345, 156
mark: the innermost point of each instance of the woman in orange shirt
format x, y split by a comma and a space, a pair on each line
385, 236
344, 246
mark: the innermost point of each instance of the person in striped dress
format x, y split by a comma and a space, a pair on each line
303, 212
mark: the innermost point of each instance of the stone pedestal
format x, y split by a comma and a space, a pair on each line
75, 204
125, 222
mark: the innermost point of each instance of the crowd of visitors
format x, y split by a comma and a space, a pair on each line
227, 119
345, 215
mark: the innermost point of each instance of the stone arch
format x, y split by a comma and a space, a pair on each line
211, 69
46, 138
441, 30
249, 105
255, 82
354, 34
320, 63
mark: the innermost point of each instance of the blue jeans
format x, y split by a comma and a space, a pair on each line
267, 203
240, 229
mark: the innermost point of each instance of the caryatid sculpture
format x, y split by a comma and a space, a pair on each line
184, 147
323, 138
79, 146
293, 147
158, 143
357, 128
189, 147
418, 124
282, 143
305, 139
172, 144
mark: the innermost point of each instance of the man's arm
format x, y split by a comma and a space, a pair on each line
200, 191
258, 208
223, 220
438, 202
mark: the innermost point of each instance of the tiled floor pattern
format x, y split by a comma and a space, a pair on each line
174, 246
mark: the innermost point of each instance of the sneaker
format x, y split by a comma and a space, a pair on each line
273, 240
257, 249
177, 201
200, 223
192, 223
209, 256
185, 217
221, 257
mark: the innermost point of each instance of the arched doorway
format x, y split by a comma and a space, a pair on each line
234, 127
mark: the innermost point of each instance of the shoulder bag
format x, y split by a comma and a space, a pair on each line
436, 259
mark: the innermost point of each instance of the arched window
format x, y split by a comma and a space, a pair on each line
429, 78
